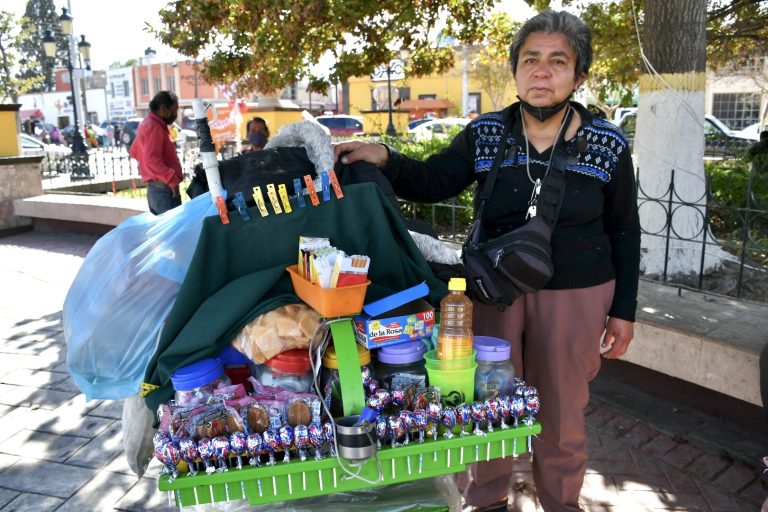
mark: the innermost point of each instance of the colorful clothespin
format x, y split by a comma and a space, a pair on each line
239, 202
299, 191
259, 198
311, 189
282, 191
335, 184
272, 195
325, 183
221, 206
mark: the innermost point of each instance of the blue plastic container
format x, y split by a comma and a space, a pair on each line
195, 383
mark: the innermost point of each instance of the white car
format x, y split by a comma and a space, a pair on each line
31, 146
751, 132
437, 128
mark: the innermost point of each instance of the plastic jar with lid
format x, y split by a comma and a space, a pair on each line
194, 384
289, 370
330, 385
401, 364
495, 375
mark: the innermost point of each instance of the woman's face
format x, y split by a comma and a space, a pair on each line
546, 69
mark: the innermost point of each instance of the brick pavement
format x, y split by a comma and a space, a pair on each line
59, 453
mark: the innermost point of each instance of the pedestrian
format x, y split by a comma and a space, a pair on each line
159, 164
557, 333
56, 136
257, 126
110, 134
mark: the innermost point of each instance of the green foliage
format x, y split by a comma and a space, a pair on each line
261, 45
41, 15
490, 65
13, 83
441, 217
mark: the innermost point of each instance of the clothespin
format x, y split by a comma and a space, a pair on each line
239, 202
311, 189
325, 182
299, 191
335, 184
221, 206
259, 198
282, 191
272, 195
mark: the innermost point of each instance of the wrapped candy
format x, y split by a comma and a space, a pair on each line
365, 373
532, 406
301, 440
399, 397
505, 410
254, 445
285, 437
434, 411
479, 415
422, 421
271, 444
517, 408
238, 443
448, 419
171, 456
316, 437
370, 386
464, 417
379, 400
492, 412
221, 452
205, 449
409, 424
396, 428
189, 453
382, 430
328, 437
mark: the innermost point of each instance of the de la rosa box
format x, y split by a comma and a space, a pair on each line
399, 318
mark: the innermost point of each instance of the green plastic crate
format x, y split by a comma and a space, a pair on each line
297, 480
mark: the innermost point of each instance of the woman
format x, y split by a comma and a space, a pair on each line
555, 332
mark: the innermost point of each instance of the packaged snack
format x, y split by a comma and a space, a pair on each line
284, 328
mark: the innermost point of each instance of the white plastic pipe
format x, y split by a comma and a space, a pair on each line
207, 149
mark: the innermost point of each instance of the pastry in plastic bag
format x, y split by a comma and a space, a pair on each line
284, 328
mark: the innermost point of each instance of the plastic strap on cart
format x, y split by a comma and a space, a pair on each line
352, 395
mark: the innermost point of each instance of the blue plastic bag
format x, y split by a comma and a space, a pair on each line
120, 298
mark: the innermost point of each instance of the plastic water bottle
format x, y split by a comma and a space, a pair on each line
455, 337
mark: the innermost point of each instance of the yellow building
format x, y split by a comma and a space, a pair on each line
416, 91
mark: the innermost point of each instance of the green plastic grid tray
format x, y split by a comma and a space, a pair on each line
297, 480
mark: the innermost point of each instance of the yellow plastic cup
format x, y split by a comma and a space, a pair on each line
459, 363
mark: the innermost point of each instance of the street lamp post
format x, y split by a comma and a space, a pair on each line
394, 66
79, 158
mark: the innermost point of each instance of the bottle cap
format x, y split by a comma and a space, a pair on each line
197, 374
457, 284
296, 360
491, 349
402, 353
330, 360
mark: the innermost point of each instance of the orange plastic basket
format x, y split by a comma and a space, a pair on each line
329, 302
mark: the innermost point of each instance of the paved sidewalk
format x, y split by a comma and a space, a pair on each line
59, 453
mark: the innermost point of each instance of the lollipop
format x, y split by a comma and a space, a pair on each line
315, 433
238, 443
396, 429
221, 452
448, 419
479, 415
505, 410
464, 417
254, 445
205, 449
532, 406
328, 437
382, 430
399, 397
370, 386
409, 424
271, 443
379, 400
189, 453
365, 373
171, 456
421, 420
301, 440
492, 412
517, 406
434, 411
285, 437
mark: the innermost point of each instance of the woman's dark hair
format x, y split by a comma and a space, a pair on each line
163, 98
261, 120
572, 27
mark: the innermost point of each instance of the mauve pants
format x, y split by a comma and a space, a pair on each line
555, 336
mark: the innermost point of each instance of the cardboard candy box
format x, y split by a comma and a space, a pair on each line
399, 318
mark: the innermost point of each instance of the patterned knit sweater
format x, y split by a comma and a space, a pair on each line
597, 236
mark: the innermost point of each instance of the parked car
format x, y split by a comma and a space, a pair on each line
417, 122
719, 141
128, 130
30, 146
342, 125
751, 132
437, 127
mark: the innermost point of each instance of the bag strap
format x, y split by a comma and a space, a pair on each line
550, 199
490, 180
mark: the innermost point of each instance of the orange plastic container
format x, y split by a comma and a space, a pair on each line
329, 302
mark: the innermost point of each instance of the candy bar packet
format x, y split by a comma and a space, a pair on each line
350, 270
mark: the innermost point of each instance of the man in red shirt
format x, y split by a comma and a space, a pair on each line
159, 164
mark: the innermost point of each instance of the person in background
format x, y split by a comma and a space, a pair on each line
255, 126
110, 135
588, 307
56, 136
159, 164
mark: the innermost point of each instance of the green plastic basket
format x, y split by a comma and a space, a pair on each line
298, 480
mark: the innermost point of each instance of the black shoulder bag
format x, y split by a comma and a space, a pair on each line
500, 270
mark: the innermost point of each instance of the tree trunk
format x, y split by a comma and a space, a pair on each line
670, 137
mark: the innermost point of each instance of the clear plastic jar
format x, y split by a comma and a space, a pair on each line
495, 374
401, 364
195, 383
330, 386
289, 370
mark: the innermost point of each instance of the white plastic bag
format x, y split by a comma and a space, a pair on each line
123, 293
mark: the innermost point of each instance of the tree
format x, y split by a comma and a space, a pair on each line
490, 65
263, 46
40, 16
12, 82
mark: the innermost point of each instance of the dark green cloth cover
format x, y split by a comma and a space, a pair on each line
238, 272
